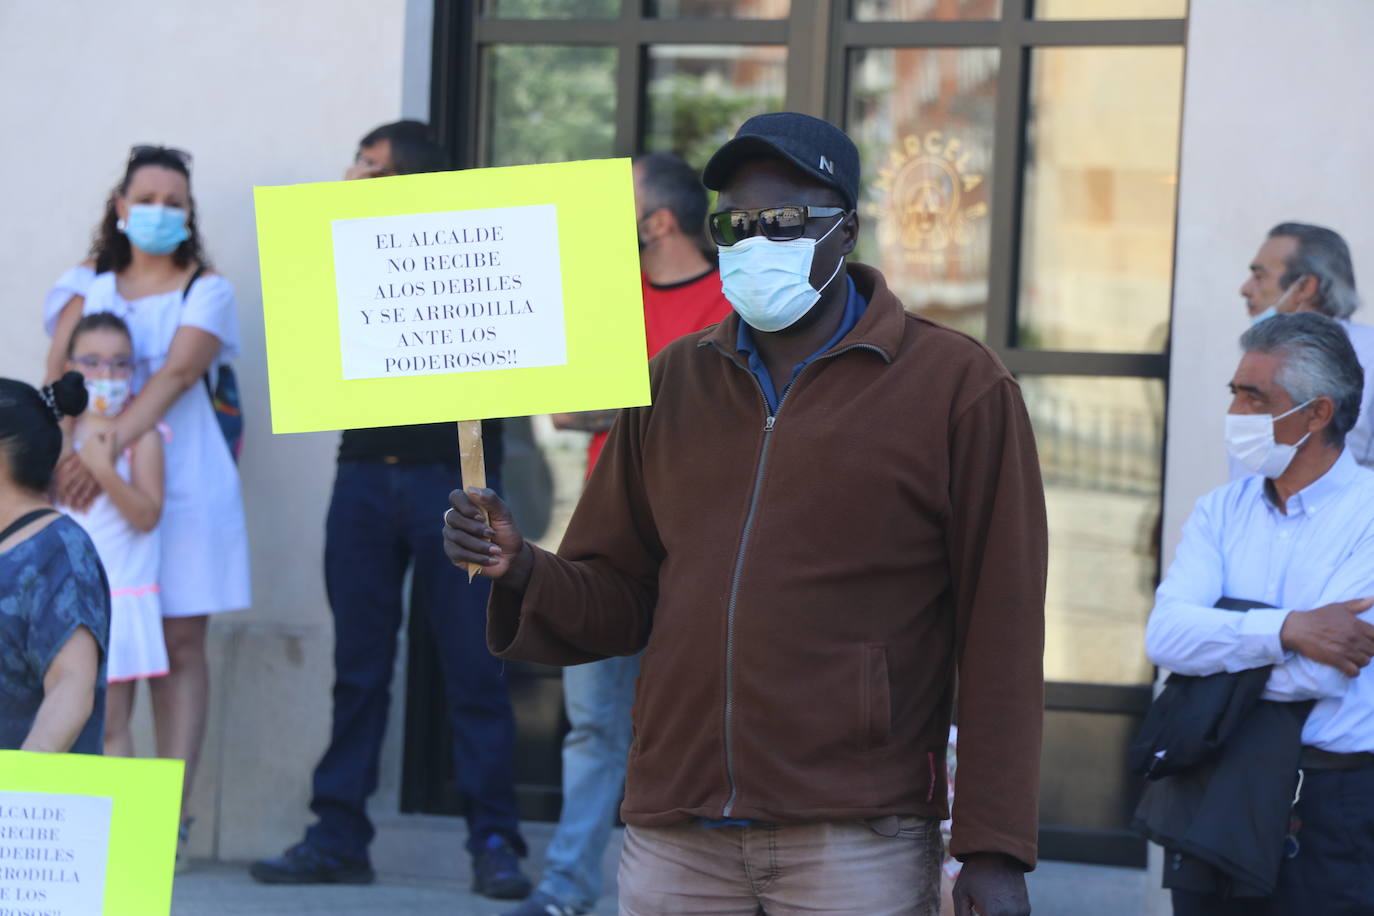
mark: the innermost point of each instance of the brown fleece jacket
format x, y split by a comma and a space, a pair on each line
807, 586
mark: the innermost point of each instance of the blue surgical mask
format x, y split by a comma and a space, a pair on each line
1274, 309
156, 229
768, 282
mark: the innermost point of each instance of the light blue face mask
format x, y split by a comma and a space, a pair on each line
156, 229
1274, 309
768, 282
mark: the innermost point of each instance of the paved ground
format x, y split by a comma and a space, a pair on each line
214, 889
409, 854
226, 890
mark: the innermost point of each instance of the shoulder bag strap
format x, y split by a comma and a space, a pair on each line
200, 269
25, 519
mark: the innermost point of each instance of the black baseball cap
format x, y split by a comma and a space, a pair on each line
818, 148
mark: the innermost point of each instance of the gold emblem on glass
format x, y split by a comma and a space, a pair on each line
924, 204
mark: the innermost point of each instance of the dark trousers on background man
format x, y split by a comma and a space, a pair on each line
383, 517
1333, 871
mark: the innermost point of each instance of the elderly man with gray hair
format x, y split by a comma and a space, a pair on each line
1306, 268
1295, 541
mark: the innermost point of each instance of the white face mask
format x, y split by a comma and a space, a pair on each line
1250, 440
768, 282
107, 396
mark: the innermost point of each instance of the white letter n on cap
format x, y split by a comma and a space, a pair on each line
827, 165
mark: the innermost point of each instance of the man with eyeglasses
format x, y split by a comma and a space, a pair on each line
398, 148
828, 523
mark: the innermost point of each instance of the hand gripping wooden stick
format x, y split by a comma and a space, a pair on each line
474, 466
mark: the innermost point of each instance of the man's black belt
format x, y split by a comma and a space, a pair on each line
1314, 758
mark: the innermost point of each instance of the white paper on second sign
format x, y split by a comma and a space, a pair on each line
62, 871
459, 291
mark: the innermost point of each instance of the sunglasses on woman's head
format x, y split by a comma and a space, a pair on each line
141, 152
778, 224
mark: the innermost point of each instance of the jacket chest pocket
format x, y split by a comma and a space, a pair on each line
876, 698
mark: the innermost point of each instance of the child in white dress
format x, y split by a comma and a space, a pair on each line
123, 520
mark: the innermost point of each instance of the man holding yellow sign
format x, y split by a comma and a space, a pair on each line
830, 509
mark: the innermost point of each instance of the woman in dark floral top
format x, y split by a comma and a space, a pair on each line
54, 600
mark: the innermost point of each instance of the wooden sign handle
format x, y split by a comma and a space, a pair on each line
473, 461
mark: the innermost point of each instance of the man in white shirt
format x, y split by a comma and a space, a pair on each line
1306, 268
1297, 535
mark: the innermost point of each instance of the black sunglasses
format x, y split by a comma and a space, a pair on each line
778, 224
142, 152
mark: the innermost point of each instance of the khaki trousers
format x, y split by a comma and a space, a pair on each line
886, 866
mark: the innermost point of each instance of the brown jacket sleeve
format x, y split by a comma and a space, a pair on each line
998, 554
580, 606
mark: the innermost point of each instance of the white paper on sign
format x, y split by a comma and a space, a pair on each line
438, 293
53, 850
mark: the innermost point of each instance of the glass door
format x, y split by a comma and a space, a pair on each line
1019, 164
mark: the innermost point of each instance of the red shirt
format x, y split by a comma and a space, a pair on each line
669, 312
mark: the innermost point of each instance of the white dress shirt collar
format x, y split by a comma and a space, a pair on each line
1311, 498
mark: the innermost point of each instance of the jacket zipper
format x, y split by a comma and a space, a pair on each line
739, 567
730, 607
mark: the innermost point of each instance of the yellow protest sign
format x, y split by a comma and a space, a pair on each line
87, 836
452, 296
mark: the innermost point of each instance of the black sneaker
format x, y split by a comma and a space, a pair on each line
542, 904
496, 871
304, 864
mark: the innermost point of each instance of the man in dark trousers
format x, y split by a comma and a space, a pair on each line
1295, 534
381, 523
830, 510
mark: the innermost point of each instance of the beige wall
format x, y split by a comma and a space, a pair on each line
261, 92
1275, 127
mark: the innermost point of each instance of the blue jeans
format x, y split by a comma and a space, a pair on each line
598, 697
382, 519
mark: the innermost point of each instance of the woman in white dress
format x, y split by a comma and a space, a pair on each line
147, 267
